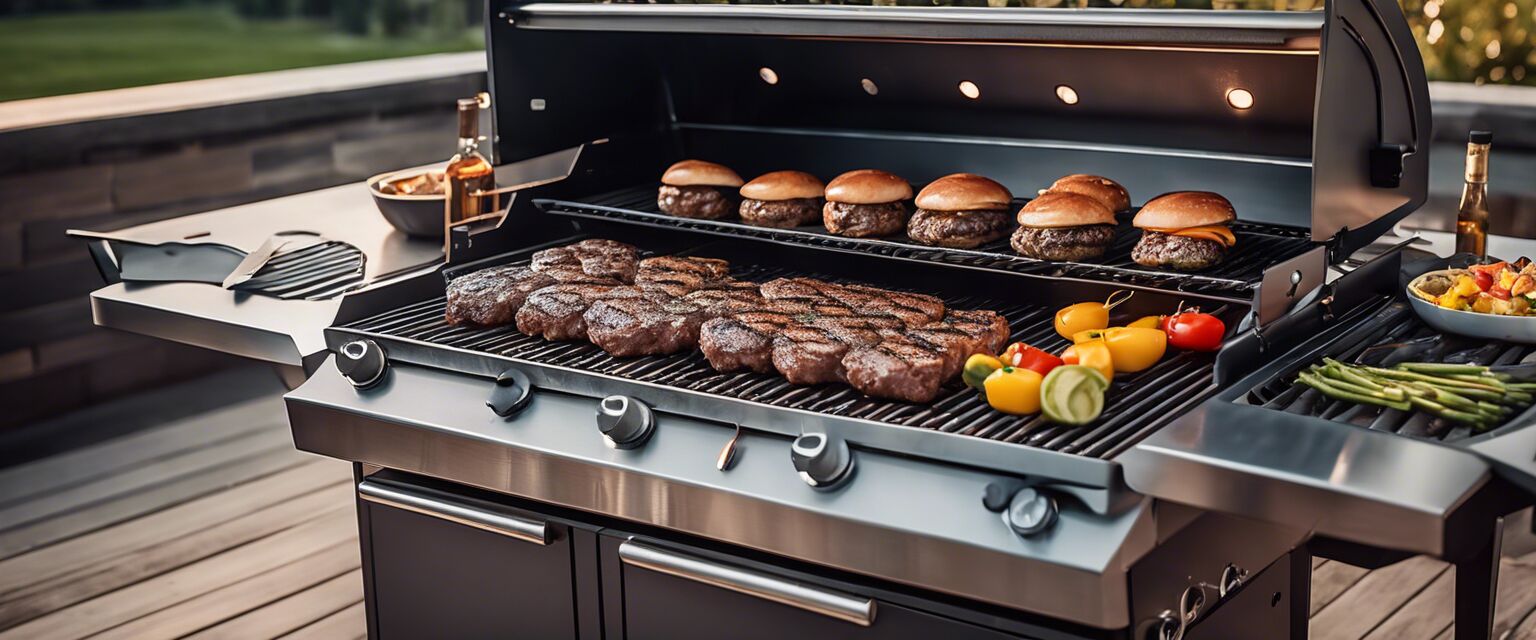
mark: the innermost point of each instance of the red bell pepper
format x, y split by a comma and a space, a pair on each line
1022, 356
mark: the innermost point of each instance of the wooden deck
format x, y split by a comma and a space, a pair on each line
214, 527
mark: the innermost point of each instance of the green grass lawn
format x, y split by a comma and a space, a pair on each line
71, 53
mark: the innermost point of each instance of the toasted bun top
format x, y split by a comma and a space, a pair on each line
1184, 209
1099, 188
698, 173
1055, 210
868, 186
783, 185
964, 192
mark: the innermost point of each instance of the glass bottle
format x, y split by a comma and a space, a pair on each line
1472, 215
467, 174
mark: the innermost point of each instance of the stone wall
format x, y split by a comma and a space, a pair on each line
111, 172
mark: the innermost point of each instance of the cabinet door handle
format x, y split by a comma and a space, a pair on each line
456, 509
833, 604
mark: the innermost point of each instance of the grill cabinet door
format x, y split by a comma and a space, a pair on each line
671, 595
448, 566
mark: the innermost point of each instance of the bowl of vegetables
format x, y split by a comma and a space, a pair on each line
1493, 301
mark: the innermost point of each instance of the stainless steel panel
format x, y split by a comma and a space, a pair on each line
1337, 480
920, 524
833, 604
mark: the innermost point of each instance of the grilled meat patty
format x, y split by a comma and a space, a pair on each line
813, 354
555, 312
1064, 243
959, 229
743, 340
864, 220
594, 257
638, 323
781, 214
706, 203
912, 308
1177, 252
679, 275
491, 297
732, 296
898, 367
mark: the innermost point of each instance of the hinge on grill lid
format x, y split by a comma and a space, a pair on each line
1288, 282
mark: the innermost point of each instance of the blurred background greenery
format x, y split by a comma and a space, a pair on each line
52, 47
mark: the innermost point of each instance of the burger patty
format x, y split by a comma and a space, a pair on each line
491, 297
594, 257
641, 323
555, 312
732, 296
899, 367
679, 275
781, 214
1064, 243
743, 340
707, 203
864, 220
1177, 252
959, 229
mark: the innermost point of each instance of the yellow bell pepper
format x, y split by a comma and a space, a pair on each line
1088, 315
1148, 322
1094, 354
1015, 391
1133, 348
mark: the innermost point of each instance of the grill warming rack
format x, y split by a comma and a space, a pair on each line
957, 427
1259, 246
1391, 334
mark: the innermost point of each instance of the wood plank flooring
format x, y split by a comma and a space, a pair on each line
215, 527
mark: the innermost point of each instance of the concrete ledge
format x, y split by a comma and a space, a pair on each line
213, 92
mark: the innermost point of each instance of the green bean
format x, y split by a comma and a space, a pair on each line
1398, 374
1442, 368
1339, 394
1447, 412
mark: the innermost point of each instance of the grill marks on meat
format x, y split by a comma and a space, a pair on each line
491, 297
887, 344
680, 275
597, 258
556, 312
634, 322
742, 340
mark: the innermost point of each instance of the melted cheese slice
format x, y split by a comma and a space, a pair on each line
1214, 233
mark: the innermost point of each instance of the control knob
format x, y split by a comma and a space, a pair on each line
511, 393
362, 363
626, 423
1031, 511
823, 460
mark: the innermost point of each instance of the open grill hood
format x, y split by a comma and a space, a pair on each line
1334, 142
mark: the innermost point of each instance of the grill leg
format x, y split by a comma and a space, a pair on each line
1301, 592
1477, 583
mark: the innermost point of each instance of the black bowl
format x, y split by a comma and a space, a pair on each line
415, 215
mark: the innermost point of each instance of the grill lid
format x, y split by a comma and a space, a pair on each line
1315, 119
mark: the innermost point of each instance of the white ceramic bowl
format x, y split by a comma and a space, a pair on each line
1520, 329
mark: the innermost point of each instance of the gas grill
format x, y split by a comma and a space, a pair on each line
707, 504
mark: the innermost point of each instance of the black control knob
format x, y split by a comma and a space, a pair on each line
626, 423
1031, 511
362, 363
511, 393
823, 460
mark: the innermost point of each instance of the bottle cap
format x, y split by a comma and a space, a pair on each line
1481, 137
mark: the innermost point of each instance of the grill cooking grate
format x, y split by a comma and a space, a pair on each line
317, 272
1258, 247
1394, 334
1137, 403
